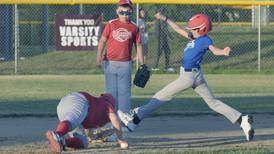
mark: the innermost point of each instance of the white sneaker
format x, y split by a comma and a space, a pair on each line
171, 69
127, 120
247, 127
155, 69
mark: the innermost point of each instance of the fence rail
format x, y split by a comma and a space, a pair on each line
195, 2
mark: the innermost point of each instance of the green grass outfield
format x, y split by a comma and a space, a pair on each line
38, 95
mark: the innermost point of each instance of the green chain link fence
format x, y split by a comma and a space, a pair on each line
234, 26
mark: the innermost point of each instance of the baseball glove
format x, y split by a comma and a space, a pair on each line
142, 76
100, 135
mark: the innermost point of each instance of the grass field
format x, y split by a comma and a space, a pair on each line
39, 94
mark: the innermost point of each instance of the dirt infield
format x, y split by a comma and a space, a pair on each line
157, 134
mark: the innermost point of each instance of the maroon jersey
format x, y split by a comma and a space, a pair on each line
120, 38
98, 112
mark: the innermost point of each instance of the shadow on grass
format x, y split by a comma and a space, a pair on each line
177, 106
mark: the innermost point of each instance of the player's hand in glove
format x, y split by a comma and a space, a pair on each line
142, 76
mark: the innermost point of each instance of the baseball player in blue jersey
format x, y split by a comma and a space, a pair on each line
191, 76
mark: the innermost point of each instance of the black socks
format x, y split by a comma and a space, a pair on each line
136, 119
240, 120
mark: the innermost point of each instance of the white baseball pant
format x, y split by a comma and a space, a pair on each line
195, 80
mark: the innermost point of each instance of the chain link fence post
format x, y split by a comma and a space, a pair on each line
259, 38
45, 27
16, 38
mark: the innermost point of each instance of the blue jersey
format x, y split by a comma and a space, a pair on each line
195, 50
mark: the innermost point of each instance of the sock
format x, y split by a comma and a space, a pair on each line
75, 143
63, 128
136, 119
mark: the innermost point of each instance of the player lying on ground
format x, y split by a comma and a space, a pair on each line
79, 111
191, 76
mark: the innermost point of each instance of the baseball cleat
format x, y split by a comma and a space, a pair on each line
56, 142
246, 125
100, 135
127, 120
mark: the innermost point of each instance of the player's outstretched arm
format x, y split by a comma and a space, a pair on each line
219, 52
118, 130
172, 24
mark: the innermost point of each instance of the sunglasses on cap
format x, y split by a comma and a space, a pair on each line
125, 13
